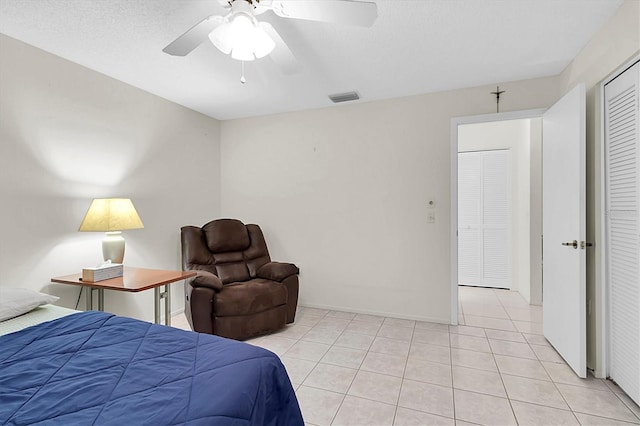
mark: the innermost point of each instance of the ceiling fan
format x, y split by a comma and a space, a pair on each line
240, 34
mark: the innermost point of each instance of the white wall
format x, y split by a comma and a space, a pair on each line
535, 212
343, 192
616, 42
513, 135
69, 134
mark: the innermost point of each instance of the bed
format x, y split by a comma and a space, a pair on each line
98, 368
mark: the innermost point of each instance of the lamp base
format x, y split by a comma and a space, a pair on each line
113, 247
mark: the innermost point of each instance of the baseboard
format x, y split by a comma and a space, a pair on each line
377, 313
177, 312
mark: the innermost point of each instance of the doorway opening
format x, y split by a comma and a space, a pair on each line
498, 229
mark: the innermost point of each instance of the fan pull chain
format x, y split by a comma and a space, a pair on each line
242, 79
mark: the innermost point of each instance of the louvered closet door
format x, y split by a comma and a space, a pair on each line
623, 254
483, 219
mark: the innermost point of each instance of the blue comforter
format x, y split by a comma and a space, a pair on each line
97, 368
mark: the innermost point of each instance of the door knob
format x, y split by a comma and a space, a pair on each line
573, 244
584, 244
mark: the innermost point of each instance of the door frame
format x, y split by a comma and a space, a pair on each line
455, 122
602, 367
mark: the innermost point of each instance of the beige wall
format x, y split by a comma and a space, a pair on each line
69, 134
515, 136
343, 192
616, 42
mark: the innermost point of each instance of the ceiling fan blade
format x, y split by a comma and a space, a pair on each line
360, 13
193, 37
281, 54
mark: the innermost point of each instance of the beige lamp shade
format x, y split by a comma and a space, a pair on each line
111, 214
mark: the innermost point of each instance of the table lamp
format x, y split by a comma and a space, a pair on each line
111, 215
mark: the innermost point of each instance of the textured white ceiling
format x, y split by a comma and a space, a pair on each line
415, 46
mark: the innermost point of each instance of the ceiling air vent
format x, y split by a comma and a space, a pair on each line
344, 97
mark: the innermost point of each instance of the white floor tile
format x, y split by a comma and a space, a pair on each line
397, 322
471, 343
320, 334
528, 327
589, 420
523, 367
546, 353
385, 345
396, 332
511, 336
486, 322
432, 326
473, 359
318, 406
432, 337
535, 415
465, 329
483, 409
369, 318
277, 345
363, 327
352, 340
504, 347
377, 387
562, 373
479, 381
330, 377
429, 372
539, 392
341, 314
426, 397
359, 411
293, 331
297, 369
596, 402
386, 364
435, 353
408, 417
310, 351
344, 357
332, 323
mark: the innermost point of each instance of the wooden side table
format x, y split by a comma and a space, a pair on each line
133, 280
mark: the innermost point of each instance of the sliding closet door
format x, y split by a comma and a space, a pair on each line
484, 219
622, 221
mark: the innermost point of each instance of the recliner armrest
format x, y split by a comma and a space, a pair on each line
277, 271
206, 279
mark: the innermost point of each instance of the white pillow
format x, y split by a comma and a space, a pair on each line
17, 301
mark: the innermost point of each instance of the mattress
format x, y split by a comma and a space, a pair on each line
38, 315
98, 368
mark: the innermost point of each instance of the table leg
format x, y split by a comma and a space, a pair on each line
167, 304
89, 296
101, 299
156, 301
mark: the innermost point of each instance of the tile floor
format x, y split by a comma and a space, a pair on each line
495, 368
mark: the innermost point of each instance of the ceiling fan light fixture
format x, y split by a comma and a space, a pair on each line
241, 36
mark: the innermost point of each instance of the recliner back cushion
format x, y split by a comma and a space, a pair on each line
229, 263
231, 267
225, 235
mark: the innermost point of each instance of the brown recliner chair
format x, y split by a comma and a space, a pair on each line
238, 292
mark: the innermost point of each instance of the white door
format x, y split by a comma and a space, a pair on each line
622, 164
483, 219
564, 229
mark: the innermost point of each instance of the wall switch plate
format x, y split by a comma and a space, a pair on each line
431, 217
